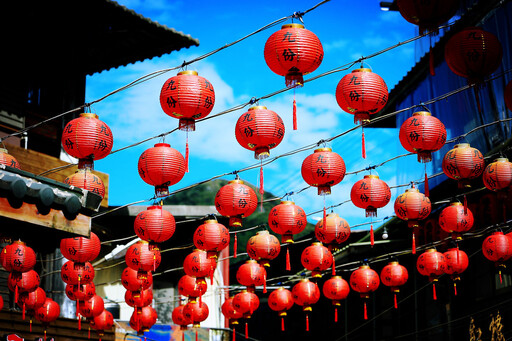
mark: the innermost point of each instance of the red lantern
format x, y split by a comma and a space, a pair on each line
287, 219
334, 232
18, 257
31, 301
236, 201
134, 280
422, 134
323, 169
179, 318
252, 274
498, 174
191, 287
263, 247
87, 139
305, 294
47, 313
141, 257
432, 264
82, 292
336, 289
86, 179
139, 299
71, 273
8, 160
229, 311
198, 264
22, 282
316, 258
196, 312
362, 93
293, 52
456, 263
92, 307
428, 15
497, 248
463, 163
364, 280
370, 193
187, 97
102, 322
473, 53
161, 166
212, 237
454, 220
246, 303
412, 206
81, 249
281, 300
154, 225
394, 276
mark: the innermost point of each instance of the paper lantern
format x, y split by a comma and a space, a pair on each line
456, 263
316, 258
336, 289
134, 280
463, 163
394, 276
473, 53
212, 237
455, 220
428, 15
281, 300
263, 247
17, 257
82, 292
154, 225
333, 232
87, 139
196, 312
71, 273
497, 175
287, 219
251, 274
293, 51
259, 130
236, 201
305, 294
47, 313
497, 248
102, 322
370, 193
431, 264
422, 134
179, 318
22, 282
141, 257
364, 280
229, 311
81, 249
323, 169
197, 264
191, 287
31, 301
8, 160
161, 166
362, 93
139, 299
187, 97
246, 303
86, 179
92, 307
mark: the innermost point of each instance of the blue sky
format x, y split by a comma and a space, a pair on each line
347, 30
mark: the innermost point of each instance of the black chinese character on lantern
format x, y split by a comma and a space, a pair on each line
208, 102
170, 85
354, 96
248, 131
354, 81
288, 54
288, 36
171, 102
208, 85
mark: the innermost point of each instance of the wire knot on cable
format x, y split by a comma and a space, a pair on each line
370, 167
321, 142
253, 100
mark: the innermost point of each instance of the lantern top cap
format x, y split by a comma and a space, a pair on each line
162, 144
292, 25
456, 203
393, 263
332, 214
304, 280
262, 232
431, 250
371, 176
3, 150
210, 221
250, 261
317, 243
287, 202
18, 242
422, 113
258, 107
501, 159
363, 69
462, 145
142, 242
89, 115
337, 277
324, 149
364, 267
188, 72
237, 181
415, 190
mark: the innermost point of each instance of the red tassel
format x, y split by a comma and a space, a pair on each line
288, 266
154, 263
294, 113
234, 246
79, 322
413, 242
335, 314
465, 205
186, 155
45, 335
307, 322
234, 334
501, 280
431, 60
30, 325
427, 192
196, 335
89, 333
365, 312
246, 331
396, 303
23, 314
15, 293
200, 300
282, 323
333, 265
372, 237
363, 150
262, 190
265, 283
211, 276
434, 291
455, 288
